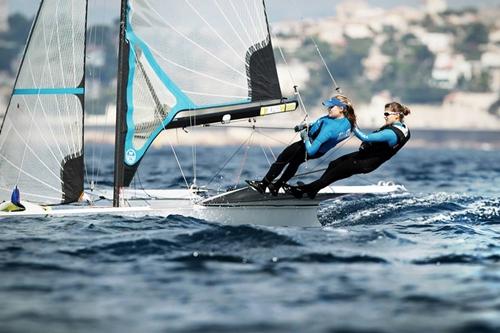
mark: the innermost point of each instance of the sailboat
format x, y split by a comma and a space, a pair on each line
180, 64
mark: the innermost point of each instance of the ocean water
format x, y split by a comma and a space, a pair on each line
424, 261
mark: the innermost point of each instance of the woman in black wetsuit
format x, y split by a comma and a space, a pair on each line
317, 139
377, 148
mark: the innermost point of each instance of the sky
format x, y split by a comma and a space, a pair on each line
278, 10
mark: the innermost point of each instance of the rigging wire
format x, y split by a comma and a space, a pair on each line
178, 164
243, 161
229, 160
97, 73
327, 156
265, 155
295, 86
337, 88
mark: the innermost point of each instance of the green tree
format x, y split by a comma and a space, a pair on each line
345, 63
409, 73
470, 38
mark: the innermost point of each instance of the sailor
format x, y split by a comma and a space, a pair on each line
15, 203
377, 148
317, 139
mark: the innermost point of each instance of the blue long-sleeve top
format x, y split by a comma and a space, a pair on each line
385, 135
327, 133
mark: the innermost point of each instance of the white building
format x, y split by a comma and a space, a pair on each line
435, 6
435, 41
4, 12
375, 63
491, 58
448, 68
354, 9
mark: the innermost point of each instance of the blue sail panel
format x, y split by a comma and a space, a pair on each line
193, 55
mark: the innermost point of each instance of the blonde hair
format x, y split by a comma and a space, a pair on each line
349, 112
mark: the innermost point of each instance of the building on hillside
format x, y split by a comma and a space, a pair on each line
400, 18
449, 68
375, 63
358, 31
435, 6
494, 36
471, 100
436, 42
490, 61
371, 114
495, 79
4, 12
491, 58
353, 9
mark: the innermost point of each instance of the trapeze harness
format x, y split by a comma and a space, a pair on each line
325, 133
369, 157
384, 150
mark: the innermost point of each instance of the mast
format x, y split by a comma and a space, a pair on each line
121, 107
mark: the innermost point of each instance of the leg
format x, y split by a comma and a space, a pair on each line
291, 153
292, 167
289, 172
343, 167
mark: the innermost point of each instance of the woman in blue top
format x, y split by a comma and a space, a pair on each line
317, 139
377, 148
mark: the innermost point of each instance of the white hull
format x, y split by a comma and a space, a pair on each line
241, 206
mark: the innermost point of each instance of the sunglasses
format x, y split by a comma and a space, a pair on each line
387, 114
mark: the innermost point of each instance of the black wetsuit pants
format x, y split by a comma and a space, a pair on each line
291, 158
344, 167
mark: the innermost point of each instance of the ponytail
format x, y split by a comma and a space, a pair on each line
349, 112
402, 109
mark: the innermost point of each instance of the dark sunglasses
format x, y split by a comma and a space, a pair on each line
387, 114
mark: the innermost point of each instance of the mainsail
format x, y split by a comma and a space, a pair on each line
41, 138
190, 62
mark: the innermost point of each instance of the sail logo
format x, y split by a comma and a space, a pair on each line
130, 156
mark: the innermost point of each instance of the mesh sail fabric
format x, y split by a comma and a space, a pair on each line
41, 139
193, 54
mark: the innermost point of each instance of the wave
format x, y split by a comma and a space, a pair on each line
415, 209
196, 257
37, 267
458, 259
243, 236
322, 258
133, 247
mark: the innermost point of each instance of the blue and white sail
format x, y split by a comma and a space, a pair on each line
191, 62
41, 138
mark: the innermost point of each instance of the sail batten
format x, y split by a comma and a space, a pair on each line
193, 55
41, 138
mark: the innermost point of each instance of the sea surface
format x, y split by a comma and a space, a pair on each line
423, 261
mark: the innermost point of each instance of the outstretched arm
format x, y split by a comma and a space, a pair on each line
383, 136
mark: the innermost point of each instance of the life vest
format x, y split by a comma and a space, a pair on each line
383, 149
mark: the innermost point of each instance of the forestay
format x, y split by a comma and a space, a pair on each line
41, 138
193, 55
